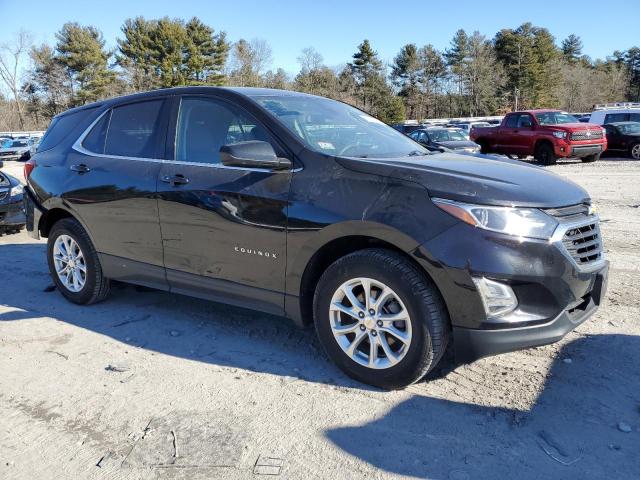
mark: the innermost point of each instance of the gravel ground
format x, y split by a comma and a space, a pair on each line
151, 385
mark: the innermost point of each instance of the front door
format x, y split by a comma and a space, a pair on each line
223, 228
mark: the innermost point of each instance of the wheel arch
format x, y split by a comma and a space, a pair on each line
315, 258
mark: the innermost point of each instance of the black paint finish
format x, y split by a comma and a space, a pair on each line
250, 237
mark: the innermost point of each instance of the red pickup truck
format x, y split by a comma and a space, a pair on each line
545, 134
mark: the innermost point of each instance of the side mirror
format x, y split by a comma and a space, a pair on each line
252, 154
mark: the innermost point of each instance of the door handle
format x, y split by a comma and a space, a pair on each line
175, 180
82, 168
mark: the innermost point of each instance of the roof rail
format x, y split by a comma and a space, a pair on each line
613, 105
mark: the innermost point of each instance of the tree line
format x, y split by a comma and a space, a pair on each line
517, 68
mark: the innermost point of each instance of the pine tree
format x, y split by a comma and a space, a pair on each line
406, 72
572, 48
81, 51
366, 69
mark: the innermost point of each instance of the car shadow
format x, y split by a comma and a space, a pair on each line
576, 429
168, 323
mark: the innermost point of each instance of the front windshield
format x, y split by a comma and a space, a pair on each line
630, 128
19, 143
446, 135
334, 128
555, 118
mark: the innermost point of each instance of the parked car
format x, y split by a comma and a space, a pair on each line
624, 137
545, 134
615, 112
451, 138
406, 128
467, 126
12, 218
18, 149
306, 207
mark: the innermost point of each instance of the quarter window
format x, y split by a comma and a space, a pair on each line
206, 124
133, 130
94, 141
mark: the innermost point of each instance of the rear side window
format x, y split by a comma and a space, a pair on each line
60, 127
512, 121
634, 117
96, 138
133, 130
616, 117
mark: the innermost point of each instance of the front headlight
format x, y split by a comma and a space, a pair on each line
17, 190
559, 134
519, 222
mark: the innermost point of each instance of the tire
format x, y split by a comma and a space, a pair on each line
591, 158
95, 287
425, 328
634, 151
545, 154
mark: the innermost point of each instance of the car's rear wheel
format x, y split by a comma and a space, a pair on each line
380, 318
545, 154
634, 151
74, 264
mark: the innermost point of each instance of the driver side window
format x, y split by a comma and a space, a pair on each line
206, 124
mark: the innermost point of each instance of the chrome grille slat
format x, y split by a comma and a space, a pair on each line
582, 134
583, 242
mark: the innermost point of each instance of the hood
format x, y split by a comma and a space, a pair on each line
576, 126
454, 144
477, 179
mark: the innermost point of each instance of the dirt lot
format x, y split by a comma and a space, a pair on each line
152, 385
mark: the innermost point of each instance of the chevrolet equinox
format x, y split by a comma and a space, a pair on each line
308, 208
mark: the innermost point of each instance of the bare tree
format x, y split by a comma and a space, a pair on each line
249, 61
11, 56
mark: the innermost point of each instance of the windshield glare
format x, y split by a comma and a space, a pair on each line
555, 118
334, 128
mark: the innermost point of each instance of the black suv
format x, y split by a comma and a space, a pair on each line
624, 137
305, 207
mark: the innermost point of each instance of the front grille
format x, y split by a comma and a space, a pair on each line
584, 243
6, 154
590, 134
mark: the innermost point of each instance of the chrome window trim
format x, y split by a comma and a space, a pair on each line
78, 147
558, 235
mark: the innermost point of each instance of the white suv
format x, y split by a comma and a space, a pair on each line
615, 112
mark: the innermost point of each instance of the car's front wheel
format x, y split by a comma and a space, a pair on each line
74, 264
380, 318
634, 151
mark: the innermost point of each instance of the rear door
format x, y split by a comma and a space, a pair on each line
223, 228
524, 135
505, 136
114, 168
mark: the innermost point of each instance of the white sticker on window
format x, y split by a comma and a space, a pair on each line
326, 146
371, 119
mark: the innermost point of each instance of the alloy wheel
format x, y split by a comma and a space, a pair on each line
70, 264
370, 323
635, 151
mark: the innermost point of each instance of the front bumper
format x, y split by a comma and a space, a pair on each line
554, 293
472, 344
579, 148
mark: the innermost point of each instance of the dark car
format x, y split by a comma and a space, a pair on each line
450, 138
12, 218
306, 207
624, 137
406, 128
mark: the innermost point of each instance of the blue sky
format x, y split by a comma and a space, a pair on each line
335, 28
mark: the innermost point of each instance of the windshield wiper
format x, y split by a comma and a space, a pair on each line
416, 153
